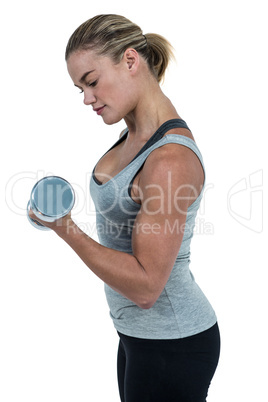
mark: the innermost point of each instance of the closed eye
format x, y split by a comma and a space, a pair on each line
81, 90
93, 84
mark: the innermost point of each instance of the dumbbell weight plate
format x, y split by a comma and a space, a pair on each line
51, 198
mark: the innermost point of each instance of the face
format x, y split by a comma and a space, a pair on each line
106, 86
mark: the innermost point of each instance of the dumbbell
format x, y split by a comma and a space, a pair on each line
51, 198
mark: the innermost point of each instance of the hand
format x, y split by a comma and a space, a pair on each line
60, 224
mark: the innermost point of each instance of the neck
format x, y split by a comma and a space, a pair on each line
152, 110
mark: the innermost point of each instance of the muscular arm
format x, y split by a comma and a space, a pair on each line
167, 187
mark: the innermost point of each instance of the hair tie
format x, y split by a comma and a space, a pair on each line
145, 40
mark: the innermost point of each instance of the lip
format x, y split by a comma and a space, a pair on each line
99, 110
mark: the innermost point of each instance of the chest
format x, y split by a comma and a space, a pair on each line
116, 160
119, 157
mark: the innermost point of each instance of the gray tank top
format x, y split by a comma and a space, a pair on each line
182, 309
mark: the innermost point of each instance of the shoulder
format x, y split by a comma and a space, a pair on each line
172, 167
172, 157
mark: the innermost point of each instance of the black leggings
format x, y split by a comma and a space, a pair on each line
177, 370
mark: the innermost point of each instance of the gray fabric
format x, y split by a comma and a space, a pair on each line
182, 309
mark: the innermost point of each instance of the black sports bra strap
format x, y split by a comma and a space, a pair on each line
161, 131
168, 125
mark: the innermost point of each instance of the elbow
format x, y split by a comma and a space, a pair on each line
147, 297
146, 303
147, 306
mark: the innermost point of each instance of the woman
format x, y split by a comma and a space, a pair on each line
147, 189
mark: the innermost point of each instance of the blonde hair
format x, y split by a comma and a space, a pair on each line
111, 34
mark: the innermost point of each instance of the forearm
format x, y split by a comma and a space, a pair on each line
119, 270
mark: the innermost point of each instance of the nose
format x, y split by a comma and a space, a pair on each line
89, 98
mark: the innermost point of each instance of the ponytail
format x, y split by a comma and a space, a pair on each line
159, 54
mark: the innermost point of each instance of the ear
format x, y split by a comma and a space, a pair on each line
132, 59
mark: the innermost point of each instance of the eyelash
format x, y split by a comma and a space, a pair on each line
93, 84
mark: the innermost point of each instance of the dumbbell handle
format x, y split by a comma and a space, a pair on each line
34, 222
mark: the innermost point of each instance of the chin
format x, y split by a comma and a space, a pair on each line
111, 120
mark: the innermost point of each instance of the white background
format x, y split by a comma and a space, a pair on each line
57, 342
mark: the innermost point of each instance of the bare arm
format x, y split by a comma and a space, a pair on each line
167, 187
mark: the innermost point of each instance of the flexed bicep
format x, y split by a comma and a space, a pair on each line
167, 190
